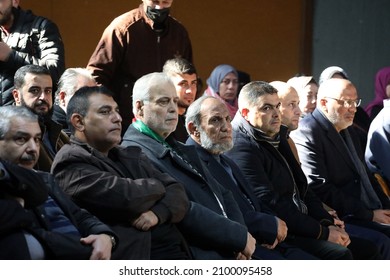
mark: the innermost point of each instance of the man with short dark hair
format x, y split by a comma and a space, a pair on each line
33, 90
262, 152
184, 77
37, 220
119, 185
26, 39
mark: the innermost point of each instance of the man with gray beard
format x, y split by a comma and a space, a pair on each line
213, 226
332, 161
208, 124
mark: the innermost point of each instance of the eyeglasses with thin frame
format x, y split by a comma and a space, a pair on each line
348, 103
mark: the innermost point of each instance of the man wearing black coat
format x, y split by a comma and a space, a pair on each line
262, 152
210, 130
37, 220
214, 226
27, 39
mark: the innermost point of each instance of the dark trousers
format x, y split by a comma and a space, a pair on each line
282, 252
322, 249
381, 240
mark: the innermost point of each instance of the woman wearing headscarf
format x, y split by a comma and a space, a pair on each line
223, 84
333, 72
382, 92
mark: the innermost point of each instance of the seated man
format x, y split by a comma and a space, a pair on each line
119, 185
33, 90
334, 167
70, 81
290, 115
34, 225
262, 152
208, 124
155, 107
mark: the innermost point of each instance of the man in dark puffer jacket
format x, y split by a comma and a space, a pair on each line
26, 39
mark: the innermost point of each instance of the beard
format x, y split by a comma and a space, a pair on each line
6, 16
214, 148
43, 117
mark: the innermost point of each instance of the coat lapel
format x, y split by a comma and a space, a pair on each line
335, 139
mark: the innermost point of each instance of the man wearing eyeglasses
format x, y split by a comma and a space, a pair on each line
262, 152
333, 163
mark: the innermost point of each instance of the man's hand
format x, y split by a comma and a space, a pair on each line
101, 245
281, 235
282, 230
382, 216
250, 247
339, 236
5, 51
336, 219
146, 221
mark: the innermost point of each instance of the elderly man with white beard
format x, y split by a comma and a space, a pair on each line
214, 226
210, 130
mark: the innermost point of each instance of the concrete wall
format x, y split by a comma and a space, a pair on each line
352, 34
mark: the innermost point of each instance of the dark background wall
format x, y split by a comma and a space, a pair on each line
355, 35
261, 37
271, 40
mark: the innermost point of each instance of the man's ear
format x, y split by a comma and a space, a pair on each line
17, 96
61, 98
139, 109
322, 103
193, 130
77, 122
244, 113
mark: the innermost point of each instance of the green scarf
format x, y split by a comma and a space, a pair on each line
144, 129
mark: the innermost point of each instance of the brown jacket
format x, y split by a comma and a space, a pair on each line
129, 48
118, 188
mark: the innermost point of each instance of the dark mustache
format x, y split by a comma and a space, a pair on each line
41, 102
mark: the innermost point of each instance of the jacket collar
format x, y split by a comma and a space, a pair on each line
334, 136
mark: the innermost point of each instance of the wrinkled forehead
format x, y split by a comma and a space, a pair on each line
213, 107
164, 89
21, 125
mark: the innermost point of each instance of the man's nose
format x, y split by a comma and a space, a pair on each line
32, 145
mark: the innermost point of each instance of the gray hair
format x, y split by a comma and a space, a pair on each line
7, 113
193, 111
68, 81
146, 84
250, 93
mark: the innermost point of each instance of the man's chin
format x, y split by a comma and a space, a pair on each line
27, 164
